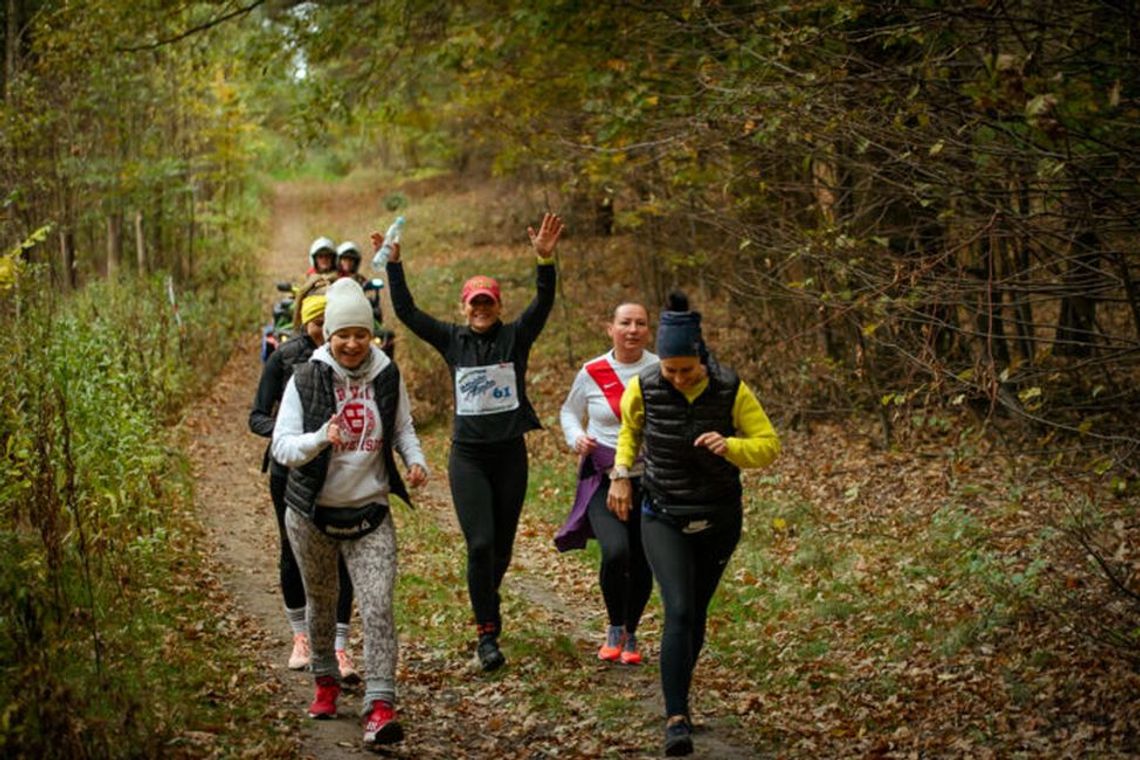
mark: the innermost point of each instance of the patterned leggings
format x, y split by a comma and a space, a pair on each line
371, 563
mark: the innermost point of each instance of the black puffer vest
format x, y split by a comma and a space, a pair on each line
682, 479
315, 385
294, 352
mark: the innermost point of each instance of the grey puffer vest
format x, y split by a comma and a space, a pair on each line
315, 385
682, 479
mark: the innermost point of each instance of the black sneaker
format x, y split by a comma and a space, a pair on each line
678, 739
490, 658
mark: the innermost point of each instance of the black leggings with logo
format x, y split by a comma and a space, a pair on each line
688, 559
488, 487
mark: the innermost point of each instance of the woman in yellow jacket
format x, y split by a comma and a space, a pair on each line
700, 424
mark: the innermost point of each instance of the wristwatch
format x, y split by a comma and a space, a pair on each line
619, 473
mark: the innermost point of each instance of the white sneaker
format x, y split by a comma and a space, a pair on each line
299, 660
348, 672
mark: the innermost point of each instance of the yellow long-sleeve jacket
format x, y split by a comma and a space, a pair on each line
755, 444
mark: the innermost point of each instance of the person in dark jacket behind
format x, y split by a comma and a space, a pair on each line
343, 414
262, 417
487, 466
700, 424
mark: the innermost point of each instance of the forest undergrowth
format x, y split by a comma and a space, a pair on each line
944, 595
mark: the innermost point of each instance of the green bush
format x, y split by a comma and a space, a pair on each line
94, 533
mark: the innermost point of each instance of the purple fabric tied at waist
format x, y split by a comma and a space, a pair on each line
576, 531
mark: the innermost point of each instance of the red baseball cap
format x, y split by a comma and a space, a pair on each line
480, 285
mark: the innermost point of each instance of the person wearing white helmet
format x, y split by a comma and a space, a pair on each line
322, 257
348, 265
348, 261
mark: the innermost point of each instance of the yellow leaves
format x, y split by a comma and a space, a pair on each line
9, 269
11, 264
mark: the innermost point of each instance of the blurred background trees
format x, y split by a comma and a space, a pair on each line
914, 212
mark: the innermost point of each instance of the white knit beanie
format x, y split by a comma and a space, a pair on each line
347, 307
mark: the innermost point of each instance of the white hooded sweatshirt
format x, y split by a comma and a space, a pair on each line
357, 474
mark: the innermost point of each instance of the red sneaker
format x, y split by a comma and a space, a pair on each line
381, 727
324, 703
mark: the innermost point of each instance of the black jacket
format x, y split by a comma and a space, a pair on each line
274, 377
460, 346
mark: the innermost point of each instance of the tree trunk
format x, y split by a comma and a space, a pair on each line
11, 44
1075, 326
1129, 289
990, 325
140, 243
114, 243
67, 259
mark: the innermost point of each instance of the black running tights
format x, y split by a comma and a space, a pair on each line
488, 487
688, 567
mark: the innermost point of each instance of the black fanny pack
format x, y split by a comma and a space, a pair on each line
345, 523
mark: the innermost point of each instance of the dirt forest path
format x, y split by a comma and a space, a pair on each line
449, 711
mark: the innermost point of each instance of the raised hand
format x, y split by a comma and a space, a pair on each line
378, 240
547, 236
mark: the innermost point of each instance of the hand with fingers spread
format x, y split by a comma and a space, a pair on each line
547, 236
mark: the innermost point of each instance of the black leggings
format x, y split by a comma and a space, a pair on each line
688, 567
292, 587
624, 575
488, 487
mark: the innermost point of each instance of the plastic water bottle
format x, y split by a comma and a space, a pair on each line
391, 237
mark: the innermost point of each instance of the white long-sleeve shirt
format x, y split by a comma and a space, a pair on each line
587, 401
357, 474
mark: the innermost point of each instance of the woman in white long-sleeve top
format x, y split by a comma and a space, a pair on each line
341, 417
595, 398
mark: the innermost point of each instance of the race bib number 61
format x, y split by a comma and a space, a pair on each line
486, 390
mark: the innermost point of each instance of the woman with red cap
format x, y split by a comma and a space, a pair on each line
487, 465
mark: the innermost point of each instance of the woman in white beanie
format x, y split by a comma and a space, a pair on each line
342, 416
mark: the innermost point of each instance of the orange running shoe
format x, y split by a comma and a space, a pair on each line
629, 653
611, 650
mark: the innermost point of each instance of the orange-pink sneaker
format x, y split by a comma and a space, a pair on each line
299, 659
629, 653
611, 650
348, 674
